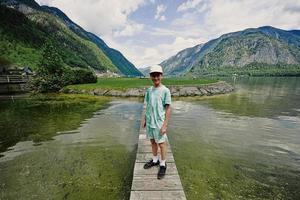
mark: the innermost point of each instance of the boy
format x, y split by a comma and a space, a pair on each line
158, 111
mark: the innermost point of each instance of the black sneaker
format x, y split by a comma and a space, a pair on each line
162, 172
150, 164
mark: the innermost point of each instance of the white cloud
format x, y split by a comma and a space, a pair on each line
155, 55
162, 18
223, 16
187, 26
98, 16
226, 16
160, 9
189, 5
130, 29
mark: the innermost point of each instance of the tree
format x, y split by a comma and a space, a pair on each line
50, 75
51, 63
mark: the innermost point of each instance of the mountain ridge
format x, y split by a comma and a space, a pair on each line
115, 56
265, 46
105, 58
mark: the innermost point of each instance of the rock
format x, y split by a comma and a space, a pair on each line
99, 92
64, 90
135, 92
115, 93
91, 92
174, 91
142, 92
189, 91
214, 90
203, 91
175, 94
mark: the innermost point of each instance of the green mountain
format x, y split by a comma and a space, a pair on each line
256, 51
125, 66
25, 27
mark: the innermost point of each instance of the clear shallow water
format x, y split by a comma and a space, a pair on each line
243, 145
93, 161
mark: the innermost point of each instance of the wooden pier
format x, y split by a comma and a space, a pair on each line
145, 185
13, 79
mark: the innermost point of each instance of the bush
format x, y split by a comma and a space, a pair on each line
83, 76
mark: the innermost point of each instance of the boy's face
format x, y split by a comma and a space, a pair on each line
156, 78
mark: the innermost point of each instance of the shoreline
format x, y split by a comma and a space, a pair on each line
220, 87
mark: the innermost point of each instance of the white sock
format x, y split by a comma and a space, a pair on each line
155, 158
162, 162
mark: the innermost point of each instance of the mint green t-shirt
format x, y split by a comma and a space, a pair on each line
155, 100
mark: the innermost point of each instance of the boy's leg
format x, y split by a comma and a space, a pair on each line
163, 164
163, 152
154, 150
150, 135
154, 161
161, 140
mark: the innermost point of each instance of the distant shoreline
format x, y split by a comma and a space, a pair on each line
220, 87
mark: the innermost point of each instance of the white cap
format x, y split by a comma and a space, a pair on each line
156, 68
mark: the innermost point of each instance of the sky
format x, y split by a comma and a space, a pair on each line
149, 31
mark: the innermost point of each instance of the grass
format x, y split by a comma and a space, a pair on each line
125, 83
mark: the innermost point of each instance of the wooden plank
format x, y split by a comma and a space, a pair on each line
148, 149
139, 169
142, 136
145, 184
154, 195
144, 157
151, 183
147, 142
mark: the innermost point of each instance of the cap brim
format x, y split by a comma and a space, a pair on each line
156, 72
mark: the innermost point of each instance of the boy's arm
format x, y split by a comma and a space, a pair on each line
144, 108
164, 127
144, 120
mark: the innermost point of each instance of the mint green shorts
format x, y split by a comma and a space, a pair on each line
154, 133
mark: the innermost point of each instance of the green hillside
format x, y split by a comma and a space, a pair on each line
117, 58
22, 37
264, 51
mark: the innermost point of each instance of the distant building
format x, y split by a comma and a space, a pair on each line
107, 74
27, 71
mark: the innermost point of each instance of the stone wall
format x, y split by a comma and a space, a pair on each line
220, 87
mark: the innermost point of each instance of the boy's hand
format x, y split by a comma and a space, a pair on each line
163, 129
144, 124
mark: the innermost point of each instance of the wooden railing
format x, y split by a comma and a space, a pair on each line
13, 79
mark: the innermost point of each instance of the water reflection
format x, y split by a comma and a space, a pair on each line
39, 118
261, 97
251, 135
94, 161
243, 145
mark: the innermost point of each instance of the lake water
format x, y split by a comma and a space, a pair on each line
66, 150
243, 145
